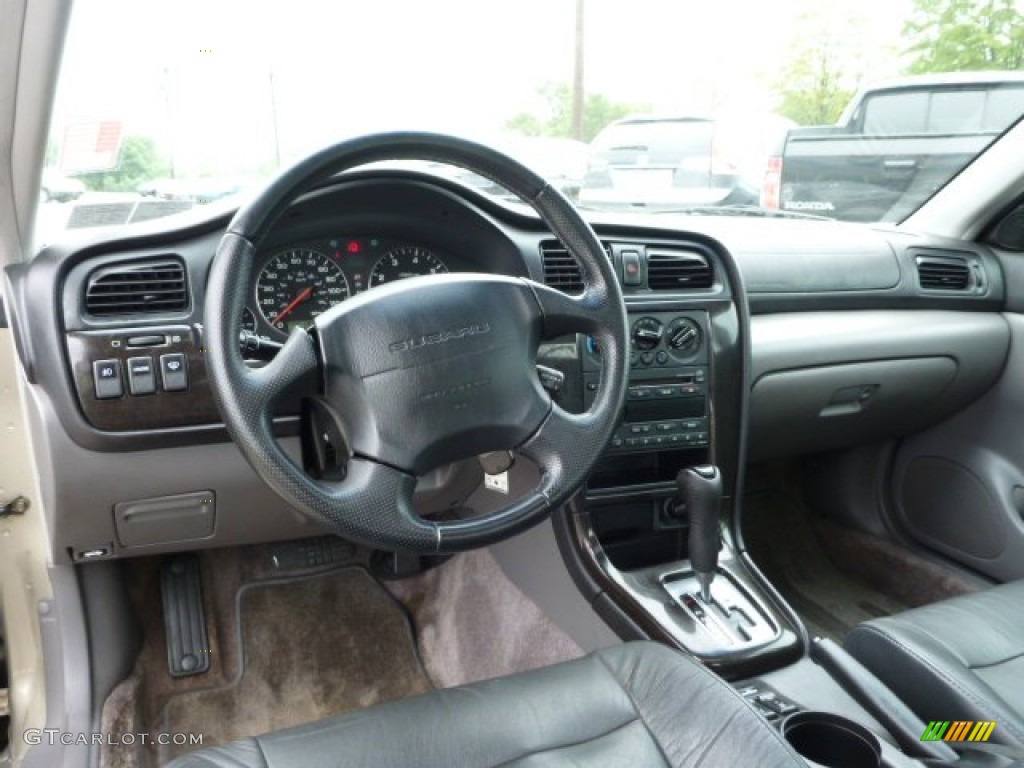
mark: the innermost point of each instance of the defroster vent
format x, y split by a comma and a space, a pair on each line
142, 287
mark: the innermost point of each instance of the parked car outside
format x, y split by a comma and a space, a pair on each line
896, 143
668, 162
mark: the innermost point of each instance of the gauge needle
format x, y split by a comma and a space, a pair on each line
293, 304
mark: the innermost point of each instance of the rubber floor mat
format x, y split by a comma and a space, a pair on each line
311, 648
784, 544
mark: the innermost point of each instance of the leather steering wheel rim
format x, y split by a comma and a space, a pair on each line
425, 371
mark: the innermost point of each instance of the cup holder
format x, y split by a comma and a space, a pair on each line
832, 741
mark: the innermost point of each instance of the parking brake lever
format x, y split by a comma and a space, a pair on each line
701, 490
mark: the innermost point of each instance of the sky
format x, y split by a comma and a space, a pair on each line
214, 81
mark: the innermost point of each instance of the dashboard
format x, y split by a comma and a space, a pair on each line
773, 337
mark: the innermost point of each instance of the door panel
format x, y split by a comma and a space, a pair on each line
958, 488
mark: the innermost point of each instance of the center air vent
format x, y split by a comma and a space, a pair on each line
137, 288
560, 269
677, 271
943, 273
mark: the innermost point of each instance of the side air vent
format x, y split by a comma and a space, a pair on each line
677, 270
943, 273
560, 269
137, 288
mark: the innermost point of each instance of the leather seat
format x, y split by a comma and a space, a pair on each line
635, 705
961, 659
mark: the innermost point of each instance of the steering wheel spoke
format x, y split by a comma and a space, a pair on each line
293, 362
564, 314
352, 507
563, 447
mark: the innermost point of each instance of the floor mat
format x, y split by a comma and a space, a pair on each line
474, 623
784, 543
311, 648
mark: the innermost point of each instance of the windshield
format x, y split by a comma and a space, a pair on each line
646, 105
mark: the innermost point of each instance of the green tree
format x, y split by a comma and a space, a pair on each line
598, 111
826, 61
965, 35
814, 88
138, 161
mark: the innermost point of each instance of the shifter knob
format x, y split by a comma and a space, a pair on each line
701, 489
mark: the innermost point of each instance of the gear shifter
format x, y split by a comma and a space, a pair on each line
701, 490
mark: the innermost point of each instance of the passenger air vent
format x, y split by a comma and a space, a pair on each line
137, 288
677, 270
943, 273
560, 269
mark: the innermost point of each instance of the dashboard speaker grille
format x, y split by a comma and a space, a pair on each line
560, 269
137, 288
943, 273
677, 270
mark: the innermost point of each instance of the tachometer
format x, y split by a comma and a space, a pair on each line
405, 261
297, 285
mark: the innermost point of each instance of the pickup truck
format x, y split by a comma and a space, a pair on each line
896, 143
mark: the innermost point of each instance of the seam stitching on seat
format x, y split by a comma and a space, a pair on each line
569, 745
701, 671
636, 708
727, 690
263, 755
976, 700
721, 731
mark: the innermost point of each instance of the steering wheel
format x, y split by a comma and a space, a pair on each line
422, 372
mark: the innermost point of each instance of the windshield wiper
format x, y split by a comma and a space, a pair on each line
740, 210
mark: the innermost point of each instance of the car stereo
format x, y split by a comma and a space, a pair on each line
669, 378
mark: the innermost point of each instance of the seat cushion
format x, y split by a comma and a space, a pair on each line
961, 659
635, 705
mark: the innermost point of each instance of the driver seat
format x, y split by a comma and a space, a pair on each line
639, 704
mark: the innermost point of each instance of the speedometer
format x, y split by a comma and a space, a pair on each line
405, 261
297, 285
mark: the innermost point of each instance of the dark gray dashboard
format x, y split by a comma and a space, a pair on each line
830, 311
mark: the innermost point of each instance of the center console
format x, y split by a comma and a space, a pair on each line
629, 538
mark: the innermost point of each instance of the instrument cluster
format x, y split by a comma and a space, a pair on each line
296, 283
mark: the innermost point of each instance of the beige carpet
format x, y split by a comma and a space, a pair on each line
286, 652
295, 651
312, 648
834, 577
473, 623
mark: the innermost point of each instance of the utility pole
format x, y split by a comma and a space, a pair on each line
577, 77
273, 119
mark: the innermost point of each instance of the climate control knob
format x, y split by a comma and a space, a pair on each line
683, 336
647, 333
